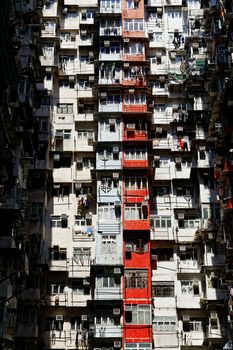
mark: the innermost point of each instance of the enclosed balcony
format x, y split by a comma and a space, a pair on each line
110, 7
161, 228
110, 27
48, 58
137, 253
108, 284
68, 40
133, 9
109, 129
110, 102
50, 9
135, 131
134, 51
189, 293
136, 216
109, 188
134, 102
110, 51
134, 76
50, 30
135, 157
110, 74
134, 28
135, 188
137, 286
109, 158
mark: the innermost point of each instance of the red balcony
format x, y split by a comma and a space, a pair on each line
137, 82
135, 163
134, 108
138, 333
138, 288
135, 135
134, 58
134, 34
135, 196
137, 10
135, 258
136, 224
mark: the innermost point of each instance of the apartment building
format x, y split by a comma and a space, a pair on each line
116, 174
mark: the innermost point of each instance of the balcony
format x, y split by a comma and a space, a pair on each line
83, 233
135, 163
134, 34
136, 225
58, 265
156, 91
134, 82
84, 117
51, 11
108, 163
112, 7
135, 135
108, 293
115, 55
135, 196
84, 145
48, 60
159, 233
66, 339
63, 175
136, 217
70, 43
110, 31
134, 58
69, 22
88, 3
57, 299
107, 331
134, 108
108, 194
188, 266
108, 107
84, 174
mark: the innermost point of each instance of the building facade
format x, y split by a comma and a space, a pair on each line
116, 175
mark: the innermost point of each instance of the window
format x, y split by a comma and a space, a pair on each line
52, 324
82, 221
137, 246
160, 107
59, 221
110, 4
79, 288
163, 289
132, 4
138, 346
135, 183
135, 99
56, 253
111, 50
161, 222
189, 223
136, 212
107, 183
65, 84
188, 254
82, 255
108, 244
76, 323
105, 278
211, 211
214, 320
134, 25
193, 325
110, 100
163, 254
65, 109
106, 212
85, 134
106, 126
135, 153
174, 14
165, 324
140, 314
132, 48
190, 288
136, 279
56, 288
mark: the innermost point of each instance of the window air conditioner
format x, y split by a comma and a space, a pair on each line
115, 149
130, 126
116, 311
117, 344
128, 308
78, 185
213, 315
79, 160
56, 157
178, 160
117, 270
84, 318
112, 121
59, 317
115, 176
186, 318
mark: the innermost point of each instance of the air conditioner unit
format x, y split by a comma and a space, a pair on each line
79, 160
106, 43
59, 317
112, 121
103, 94
91, 78
117, 344
129, 247
56, 157
210, 235
202, 148
213, 315
130, 126
126, 64
78, 185
128, 308
154, 257
115, 176
65, 10
131, 91
63, 217
160, 130
117, 270
71, 78
115, 149
186, 318
126, 40
84, 318
59, 134
86, 282
178, 160
56, 185
83, 32
182, 248
179, 128
92, 328
117, 311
